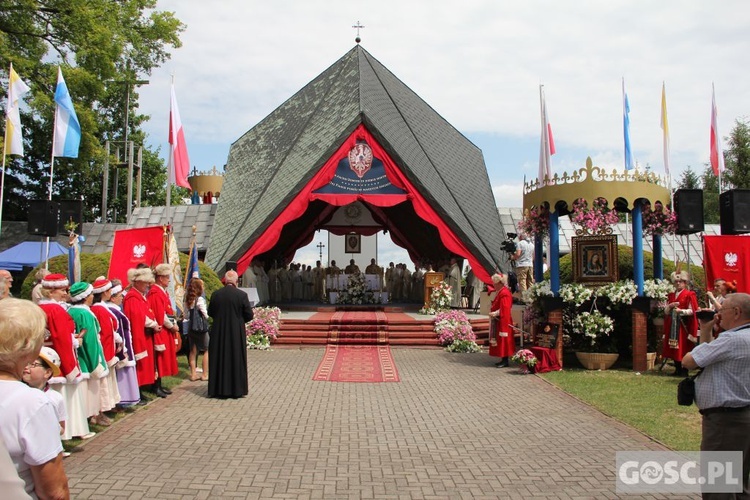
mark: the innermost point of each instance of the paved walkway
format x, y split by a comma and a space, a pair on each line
454, 427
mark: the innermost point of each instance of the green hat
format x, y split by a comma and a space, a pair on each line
80, 291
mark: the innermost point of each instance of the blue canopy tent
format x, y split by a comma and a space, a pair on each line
29, 253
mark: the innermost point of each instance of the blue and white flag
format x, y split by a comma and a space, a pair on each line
626, 128
67, 136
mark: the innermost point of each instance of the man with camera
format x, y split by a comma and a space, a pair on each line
722, 390
523, 258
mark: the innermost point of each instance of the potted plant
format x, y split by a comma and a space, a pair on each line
594, 219
525, 359
535, 222
659, 220
593, 341
440, 299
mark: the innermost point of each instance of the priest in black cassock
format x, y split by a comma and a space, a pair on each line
230, 309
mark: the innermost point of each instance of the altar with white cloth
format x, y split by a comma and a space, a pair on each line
336, 283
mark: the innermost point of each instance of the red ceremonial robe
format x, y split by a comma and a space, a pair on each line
506, 346
61, 328
108, 325
164, 346
689, 325
135, 307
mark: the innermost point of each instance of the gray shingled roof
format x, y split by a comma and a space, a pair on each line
673, 248
270, 163
99, 237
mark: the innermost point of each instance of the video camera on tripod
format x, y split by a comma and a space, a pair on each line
509, 245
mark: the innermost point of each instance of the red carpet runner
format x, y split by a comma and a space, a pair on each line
358, 327
357, 363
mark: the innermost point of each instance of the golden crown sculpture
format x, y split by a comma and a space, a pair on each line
619, 189
204, 182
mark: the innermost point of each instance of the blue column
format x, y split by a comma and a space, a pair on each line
538, 258
553, 253
638, 246
658, 262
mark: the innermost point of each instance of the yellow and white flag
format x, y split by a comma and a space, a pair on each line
13, 135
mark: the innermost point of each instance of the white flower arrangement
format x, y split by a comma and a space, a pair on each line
575, 293
658, 289
440, 299
356, 292
595, 327
537, 291
619, 293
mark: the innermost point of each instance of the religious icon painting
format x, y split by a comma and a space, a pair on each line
595, 259
353, 243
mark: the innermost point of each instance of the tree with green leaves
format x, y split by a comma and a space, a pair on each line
689, 179
104, 47
737, 157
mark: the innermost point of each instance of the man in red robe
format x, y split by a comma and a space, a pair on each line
164, 339
502, 341
680, 323
136, 308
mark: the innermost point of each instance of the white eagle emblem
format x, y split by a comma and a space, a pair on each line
360, 159
730, 259
139, 250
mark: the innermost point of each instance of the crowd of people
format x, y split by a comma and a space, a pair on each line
296, 282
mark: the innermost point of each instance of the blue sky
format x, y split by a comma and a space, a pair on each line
479, 64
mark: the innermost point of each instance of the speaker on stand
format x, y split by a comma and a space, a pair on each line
42, 218
688, 204
734, 210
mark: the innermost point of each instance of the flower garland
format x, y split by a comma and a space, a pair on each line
593, 220
535, 222
263, 327
658, 221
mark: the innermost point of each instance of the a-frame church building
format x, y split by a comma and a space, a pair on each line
356, 144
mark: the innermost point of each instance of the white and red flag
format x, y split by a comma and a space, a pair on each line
547, 143
717, 156
178, 158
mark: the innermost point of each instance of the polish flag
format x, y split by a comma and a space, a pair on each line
717, 156
180, 163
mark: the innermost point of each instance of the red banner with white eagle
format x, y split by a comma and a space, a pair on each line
135, 246
728, 258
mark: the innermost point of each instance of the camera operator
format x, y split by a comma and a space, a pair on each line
523, 258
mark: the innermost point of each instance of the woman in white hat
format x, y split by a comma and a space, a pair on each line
680, 324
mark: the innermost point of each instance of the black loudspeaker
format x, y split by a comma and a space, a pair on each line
734, 209
688, 203
43, 217
231, 266
70, 210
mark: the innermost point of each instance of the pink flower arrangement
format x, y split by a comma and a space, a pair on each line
535, 222
595, 219
263, 327
524, 357
452, 326
659, 220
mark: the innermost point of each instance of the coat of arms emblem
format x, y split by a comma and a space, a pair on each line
139, 250
360, 159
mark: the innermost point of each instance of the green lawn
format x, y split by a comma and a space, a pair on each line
647, 402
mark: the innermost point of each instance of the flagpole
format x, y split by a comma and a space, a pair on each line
2, 181
51, 176
170, 162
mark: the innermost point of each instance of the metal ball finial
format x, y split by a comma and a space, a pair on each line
358, 39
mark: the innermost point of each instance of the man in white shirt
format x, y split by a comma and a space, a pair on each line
524, 260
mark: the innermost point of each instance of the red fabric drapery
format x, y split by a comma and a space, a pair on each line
300, 202
727, 257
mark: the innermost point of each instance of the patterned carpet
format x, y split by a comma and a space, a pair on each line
357, 363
